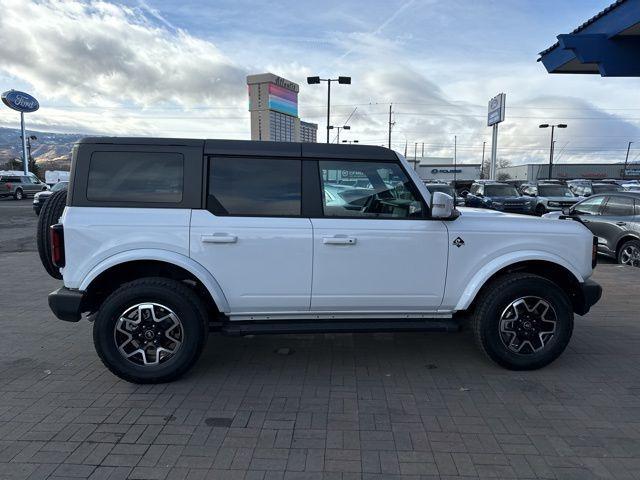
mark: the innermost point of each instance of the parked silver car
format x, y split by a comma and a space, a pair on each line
19, 185
549, 197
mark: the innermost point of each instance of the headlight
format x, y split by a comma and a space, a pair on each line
497, 204
554, 204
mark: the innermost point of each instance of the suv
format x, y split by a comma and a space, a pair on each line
18, 185
164, 240
497, 196
549, 197
583, 188
615, 221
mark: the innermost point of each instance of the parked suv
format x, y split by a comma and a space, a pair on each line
497, 196
164, 240
583, 188
40, 198
549, 197
18, 185
615, 221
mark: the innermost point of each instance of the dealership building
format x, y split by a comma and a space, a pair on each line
444, 169
273, 105
566, 171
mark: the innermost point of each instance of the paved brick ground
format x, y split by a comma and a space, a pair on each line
339, 407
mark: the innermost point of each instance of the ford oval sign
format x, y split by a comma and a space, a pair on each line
20, 101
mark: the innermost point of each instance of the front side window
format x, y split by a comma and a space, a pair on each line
367, 190
145, 177
590, 206
259, 187
619, 207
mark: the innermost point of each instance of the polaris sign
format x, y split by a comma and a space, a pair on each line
20, 101
446, 170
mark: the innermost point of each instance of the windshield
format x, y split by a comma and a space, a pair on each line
442, 188
554, 191
500, 191
59, 186
606, 188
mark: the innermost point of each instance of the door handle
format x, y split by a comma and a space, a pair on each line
621, 224
339, 240
219, 238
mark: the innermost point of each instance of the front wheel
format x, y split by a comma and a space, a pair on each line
540, 210
629, 253
18, 195
523, 321
151, 330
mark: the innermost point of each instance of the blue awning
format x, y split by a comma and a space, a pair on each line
608, 44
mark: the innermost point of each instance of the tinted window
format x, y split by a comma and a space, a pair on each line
590, 206
136, 177
619, 206
387, 192
606, 188
254, 187
500, 191
10, 179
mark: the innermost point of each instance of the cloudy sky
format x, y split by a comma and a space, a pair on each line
178, 67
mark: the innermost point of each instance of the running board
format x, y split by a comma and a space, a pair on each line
336, 326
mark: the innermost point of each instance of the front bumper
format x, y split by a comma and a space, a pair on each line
589, 294
66, 304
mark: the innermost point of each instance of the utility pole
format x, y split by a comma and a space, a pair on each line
626, 160
484, 144
422, 150
405, 148
390, 124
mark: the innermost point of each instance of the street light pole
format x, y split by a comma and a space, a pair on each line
553, 127
626, 160
484, 144
317, 80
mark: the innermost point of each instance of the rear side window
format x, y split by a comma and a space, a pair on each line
136, 177
619, 207
258, 187
10, 179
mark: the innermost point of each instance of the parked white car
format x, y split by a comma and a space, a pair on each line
164, 240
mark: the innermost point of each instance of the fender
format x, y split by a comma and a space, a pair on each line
482, 275
197, 270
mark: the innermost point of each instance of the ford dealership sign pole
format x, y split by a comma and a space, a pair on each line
23, 103
494, 117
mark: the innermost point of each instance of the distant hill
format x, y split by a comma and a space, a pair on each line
52, 151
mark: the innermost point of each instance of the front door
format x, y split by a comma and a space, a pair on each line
373, 247
252, 237
618, 215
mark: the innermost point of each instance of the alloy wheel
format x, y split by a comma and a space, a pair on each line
630, 255
148, 334
527, 325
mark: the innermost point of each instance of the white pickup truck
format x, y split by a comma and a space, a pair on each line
162, 241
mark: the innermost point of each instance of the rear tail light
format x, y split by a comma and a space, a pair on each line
56, 235
594, 252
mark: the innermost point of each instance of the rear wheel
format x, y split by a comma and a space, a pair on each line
540, 210
151, 330
523, 321
18, 194
629, 253
49, 215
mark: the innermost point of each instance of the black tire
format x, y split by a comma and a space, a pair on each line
622, 253
495, 300
19, 194
540, 210
169, 293
49, 215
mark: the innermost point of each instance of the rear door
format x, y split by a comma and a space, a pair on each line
252, 236
374, 248
616, 220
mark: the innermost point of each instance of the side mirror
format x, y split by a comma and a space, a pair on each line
566, 211
441, 205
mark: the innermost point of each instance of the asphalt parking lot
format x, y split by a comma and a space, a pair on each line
372, 406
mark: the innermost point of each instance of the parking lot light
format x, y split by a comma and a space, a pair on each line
317, 80
551, 147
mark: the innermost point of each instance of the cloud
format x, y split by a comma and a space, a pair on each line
102, 53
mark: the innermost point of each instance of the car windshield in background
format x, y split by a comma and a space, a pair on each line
554, 191
442, 188
59, 186
500, 191
606, 188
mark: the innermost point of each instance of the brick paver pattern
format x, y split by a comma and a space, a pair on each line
371, 406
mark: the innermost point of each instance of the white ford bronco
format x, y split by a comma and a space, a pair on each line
161, 241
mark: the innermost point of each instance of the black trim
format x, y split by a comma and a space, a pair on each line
590, 293
311, 190
66, 304
266, 327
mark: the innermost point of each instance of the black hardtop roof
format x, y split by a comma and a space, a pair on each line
250, 147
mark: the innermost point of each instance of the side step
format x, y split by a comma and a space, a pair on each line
264, 327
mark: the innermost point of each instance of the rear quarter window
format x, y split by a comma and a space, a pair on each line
149, 177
